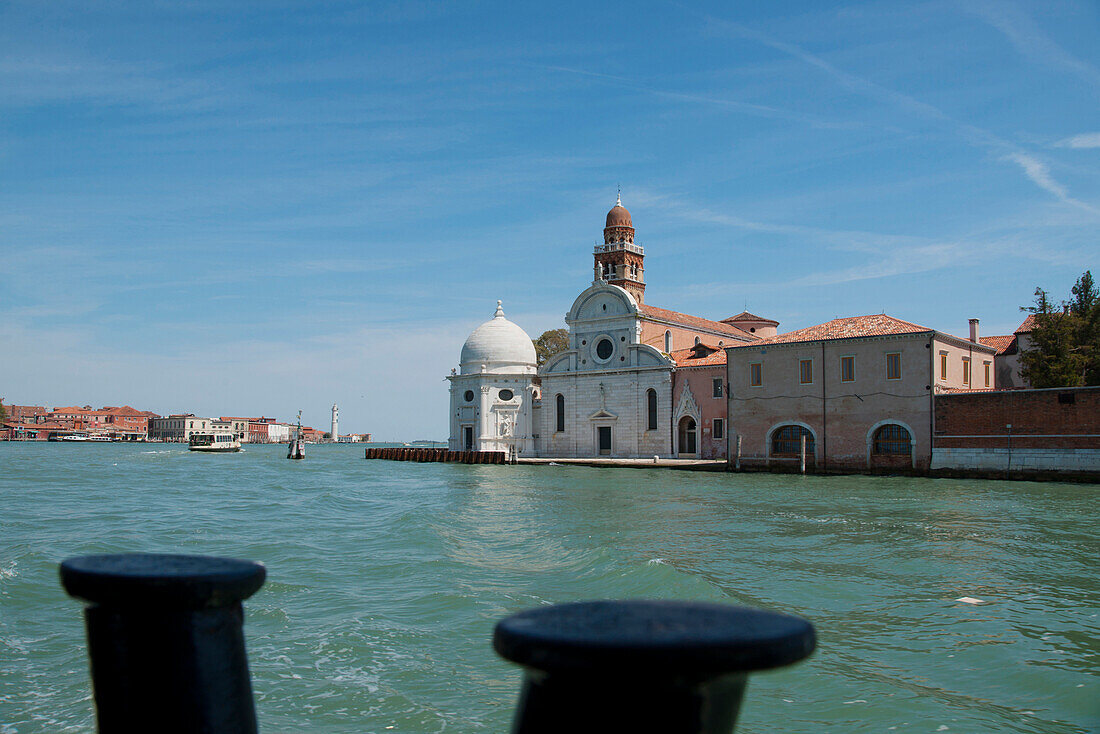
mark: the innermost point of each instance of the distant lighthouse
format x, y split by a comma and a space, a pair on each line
335, 423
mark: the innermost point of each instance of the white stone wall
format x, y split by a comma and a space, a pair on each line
278, 432
498, 425
620, 404
1070, 460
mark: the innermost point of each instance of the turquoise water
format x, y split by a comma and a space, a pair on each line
385, 580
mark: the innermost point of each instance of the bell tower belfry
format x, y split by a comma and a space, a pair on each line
618, 260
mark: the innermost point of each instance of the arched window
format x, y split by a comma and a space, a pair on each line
651, 407
787, 441
668, 341
697, 340
892, 440
559, 416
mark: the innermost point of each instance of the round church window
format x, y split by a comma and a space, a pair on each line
505, 394
604, 349
469, 396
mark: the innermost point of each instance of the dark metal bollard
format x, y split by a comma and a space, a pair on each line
166, 641
646, 666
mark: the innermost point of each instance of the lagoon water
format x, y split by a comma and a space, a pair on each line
385, 580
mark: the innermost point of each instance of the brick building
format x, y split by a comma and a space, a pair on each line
24, 413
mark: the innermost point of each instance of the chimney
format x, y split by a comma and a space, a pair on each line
974, 330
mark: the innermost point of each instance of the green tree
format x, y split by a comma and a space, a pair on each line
1065, 348
550, 343
3, 411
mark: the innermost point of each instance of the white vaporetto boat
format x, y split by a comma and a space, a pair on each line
213, 443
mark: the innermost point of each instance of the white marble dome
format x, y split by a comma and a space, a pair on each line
499, 345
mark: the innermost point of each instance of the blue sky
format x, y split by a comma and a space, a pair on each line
256, 207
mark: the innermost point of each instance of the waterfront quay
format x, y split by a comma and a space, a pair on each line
965, 604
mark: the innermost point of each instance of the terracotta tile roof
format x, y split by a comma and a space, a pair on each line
695, 357
691, 322
848, 328
36, 426
1001, 343
1028, 325
746, 316
124, 410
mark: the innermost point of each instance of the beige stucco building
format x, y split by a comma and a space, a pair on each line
859, 389
1008, 367
177, 428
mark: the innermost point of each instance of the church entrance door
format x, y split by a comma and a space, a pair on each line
603, 433
687, 436
468, 438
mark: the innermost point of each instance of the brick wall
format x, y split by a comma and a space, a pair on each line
1066, 418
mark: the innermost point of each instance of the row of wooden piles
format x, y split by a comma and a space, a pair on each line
413, 454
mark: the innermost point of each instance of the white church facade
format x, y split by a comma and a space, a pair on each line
608, 394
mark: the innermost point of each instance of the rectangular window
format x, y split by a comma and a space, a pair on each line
717, 387
943, 365
986, 366
719, 428
847, 369
893, 366
756, 374
966, 371
805, 371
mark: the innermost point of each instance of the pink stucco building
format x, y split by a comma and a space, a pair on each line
699, 403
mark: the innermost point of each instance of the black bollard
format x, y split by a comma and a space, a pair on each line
643, 666
166, 641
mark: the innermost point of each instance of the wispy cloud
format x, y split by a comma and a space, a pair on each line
732, 104
1029, 39
1084, 140
1039, 172
1033, 168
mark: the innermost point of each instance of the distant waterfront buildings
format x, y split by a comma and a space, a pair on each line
38, 423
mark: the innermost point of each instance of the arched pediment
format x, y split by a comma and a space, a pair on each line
602, 301
558, 363
651, 357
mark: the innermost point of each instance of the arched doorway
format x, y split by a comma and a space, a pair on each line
786, 443
688, 430
891, 447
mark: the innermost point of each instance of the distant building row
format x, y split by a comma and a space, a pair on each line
32, 422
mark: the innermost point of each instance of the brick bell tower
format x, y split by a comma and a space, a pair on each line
618, 260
